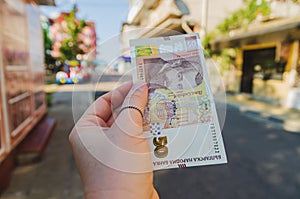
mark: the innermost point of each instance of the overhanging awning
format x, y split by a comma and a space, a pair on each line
171, 26
135, 13
236, 37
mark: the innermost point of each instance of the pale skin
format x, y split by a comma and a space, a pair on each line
124, 130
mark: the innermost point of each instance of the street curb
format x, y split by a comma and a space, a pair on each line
255, 113
289, 125
292, 126
270, 118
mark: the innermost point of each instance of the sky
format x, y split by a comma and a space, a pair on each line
108, 15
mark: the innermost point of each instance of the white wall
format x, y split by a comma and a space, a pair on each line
217, 10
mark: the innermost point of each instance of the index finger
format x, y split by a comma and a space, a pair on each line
103, 107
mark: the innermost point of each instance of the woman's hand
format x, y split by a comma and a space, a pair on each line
111, 152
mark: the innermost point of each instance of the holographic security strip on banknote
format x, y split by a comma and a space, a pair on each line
180, 120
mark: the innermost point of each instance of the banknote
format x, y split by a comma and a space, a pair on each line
180, 119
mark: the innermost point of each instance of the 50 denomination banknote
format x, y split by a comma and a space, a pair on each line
180, 120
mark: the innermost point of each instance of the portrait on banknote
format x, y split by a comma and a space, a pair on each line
176, 95
176, 74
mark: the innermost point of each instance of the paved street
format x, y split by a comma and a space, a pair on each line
263, 163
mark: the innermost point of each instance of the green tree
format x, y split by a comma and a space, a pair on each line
70, 47
49, 60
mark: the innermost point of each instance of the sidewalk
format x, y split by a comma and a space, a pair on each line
288, 118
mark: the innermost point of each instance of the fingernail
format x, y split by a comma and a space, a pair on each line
141, 86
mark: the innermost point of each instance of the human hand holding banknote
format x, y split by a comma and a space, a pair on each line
109, 146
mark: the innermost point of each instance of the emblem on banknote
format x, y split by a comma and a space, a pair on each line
180, 115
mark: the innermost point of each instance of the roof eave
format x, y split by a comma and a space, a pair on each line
230, 41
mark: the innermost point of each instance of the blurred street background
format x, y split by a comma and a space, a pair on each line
58, 56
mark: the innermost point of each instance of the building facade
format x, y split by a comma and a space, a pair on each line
155, 18
22, 97
268, 55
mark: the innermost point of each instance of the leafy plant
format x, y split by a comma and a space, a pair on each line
49, 60
240, 18
244, 16
226, 59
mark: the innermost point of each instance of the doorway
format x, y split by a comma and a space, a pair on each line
263, 59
